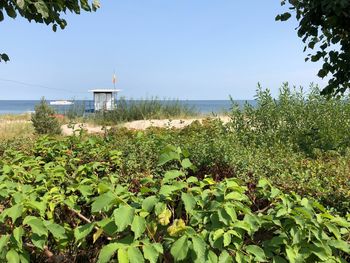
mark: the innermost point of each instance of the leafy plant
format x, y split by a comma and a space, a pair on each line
61, 207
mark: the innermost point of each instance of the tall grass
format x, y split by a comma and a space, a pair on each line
307, 121
153, 108
14, 129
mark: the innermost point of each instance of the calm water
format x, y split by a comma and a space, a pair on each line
203, 106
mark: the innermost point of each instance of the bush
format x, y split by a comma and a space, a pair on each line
44, 120
306, 122
77, 208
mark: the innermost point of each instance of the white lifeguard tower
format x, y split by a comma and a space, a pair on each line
104, 99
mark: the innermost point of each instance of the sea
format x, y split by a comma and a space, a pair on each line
202, 106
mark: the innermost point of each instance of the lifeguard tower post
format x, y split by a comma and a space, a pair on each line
104, 99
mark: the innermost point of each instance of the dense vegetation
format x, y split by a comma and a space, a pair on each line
270, 186
145, 109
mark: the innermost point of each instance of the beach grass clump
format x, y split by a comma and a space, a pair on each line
153, 108
11, 129
15, 117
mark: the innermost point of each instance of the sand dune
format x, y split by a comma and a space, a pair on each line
136, 125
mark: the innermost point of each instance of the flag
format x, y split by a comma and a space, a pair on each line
114, 79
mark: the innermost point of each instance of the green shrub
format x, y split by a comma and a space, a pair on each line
308, 122
44, 120
59, 202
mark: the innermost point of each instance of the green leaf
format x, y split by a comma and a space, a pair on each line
291, 254
14, 212
85, 190
340, 244
283, 17
171, 175
123, 256
149, 203
180, 248
42, 8
333, 229
24, 257
107, 252
18, 233
224, 217
240, 257
322, 73
135, 255
101, 202
82, 231
212, 257
199, 248
39, 206
11, 12
138, 226
227, 239
189, 202
258, 252
230, 210
167, 190
12, 256
56, 230
225, 257
37, 225
150, 252
20, 3
123, 217
236, 196
186, 163
278, 259
4, 241
167, 157
38, 241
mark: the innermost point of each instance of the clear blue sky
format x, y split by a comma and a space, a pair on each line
186, 49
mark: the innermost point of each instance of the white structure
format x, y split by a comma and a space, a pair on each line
104, 99
61, 102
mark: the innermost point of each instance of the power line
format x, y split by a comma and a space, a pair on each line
38, 85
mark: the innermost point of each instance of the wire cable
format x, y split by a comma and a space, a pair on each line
38, 85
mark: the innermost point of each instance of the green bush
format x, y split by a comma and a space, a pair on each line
308, 122
61, 204
44, 120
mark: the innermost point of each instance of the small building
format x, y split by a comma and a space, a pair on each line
104, 99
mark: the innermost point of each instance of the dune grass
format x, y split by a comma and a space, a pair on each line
145, 109
10, 129
15, 117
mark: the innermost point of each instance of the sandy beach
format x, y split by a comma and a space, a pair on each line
137, 125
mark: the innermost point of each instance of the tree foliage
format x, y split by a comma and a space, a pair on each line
44, 11
43, 119
324, 27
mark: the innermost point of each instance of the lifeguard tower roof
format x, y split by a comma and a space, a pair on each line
105, 90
